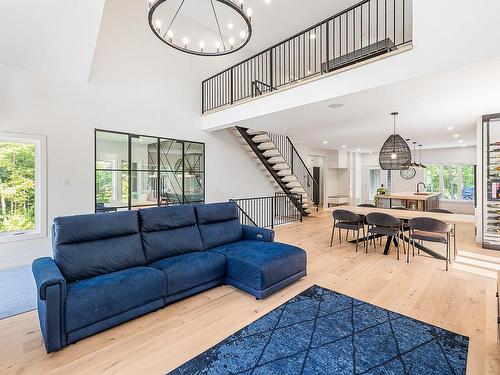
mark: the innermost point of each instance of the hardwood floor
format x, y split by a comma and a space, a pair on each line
160, 341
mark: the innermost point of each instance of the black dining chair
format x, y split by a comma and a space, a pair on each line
431, 230
453, 230
344, 219
383, 225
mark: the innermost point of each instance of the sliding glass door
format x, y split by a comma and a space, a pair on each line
134, 171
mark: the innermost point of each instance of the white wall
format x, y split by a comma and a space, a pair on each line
459, 155
137, 85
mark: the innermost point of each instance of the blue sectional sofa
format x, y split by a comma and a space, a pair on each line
112, 267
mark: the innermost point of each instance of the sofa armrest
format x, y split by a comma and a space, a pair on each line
51, 296
259, 234
47, 273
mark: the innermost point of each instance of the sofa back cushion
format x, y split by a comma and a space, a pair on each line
89, 245
219, 224
169, 231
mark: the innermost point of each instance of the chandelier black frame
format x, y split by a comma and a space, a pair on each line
184, 48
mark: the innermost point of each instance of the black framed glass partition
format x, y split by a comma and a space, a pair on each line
134, 171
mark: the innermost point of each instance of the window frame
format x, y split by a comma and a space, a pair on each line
159, 171
459, 166
40, 143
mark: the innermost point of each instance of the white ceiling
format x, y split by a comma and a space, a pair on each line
427, 107
51, 36
58, 38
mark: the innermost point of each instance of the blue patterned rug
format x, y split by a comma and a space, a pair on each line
324, 332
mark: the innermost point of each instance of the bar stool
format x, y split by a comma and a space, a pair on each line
344, 219
431, 230
453, 231
385, 225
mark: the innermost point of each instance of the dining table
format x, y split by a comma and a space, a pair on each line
451, 219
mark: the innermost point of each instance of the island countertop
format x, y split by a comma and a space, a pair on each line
410, 196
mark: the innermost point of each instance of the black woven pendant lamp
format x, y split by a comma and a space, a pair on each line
395, 153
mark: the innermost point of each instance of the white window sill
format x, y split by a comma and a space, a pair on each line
11, 237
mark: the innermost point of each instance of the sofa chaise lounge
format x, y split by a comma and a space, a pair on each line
109, 268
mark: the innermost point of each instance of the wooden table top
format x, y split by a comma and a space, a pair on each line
409, 214
409, 196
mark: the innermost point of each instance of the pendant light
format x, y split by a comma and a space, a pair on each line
395, 153
421, 165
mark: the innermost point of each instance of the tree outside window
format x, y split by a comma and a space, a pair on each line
455, 181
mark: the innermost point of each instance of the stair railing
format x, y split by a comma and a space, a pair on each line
297, 166
268, 212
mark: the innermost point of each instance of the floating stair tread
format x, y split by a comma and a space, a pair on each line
280, 167
255, 132
277, 160
261, 138
266, 146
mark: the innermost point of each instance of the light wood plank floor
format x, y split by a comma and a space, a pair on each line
160, 341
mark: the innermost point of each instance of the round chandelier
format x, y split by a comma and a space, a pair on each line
201, 27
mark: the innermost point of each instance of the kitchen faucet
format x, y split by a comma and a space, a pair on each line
418, 186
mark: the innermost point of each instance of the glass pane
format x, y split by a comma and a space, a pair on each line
194, 157
468, 183
144, 153
143, 187
111, 189
170, 188
194, 184
450, 182
170, 155
111, 150
17, 186
432, 178
374, 177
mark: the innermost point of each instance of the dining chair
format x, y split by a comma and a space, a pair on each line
384, 225
453, 230
344, 219
404, 223
431, 230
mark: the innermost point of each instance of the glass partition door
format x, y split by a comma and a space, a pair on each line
134, 171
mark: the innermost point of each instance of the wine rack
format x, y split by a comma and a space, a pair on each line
491, 181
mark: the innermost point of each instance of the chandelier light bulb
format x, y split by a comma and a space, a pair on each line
249, 12
202, 45
393, 156
157, 25
230, 26
231, 42
170, 34
185, 42
243, 35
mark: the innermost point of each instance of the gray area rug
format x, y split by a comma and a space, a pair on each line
17, 291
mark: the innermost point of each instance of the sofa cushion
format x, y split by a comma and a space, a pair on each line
169, 231
190, 270
261, 265
101, 297
89, 245
219, 224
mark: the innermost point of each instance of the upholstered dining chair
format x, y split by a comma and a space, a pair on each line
344, 219
453, 230
431, 230
385, 225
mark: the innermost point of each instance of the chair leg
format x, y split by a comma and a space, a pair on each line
447, 253
397, 245
340, 235
347, 235
333, 232
357, 240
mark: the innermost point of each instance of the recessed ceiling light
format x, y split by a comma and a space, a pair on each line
456, 135
371, 152
449, 128
267, 1
461, 141
464, 145
343, 146
336, 105
325, 142
358, 149
230, 26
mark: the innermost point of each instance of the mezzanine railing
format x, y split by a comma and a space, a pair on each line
267, 212
365, 30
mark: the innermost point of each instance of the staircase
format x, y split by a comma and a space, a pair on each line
479, 264
278, 157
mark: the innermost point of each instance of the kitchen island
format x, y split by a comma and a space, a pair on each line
424, 201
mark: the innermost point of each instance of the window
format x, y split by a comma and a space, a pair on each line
134, 171
455, 181
22, 187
